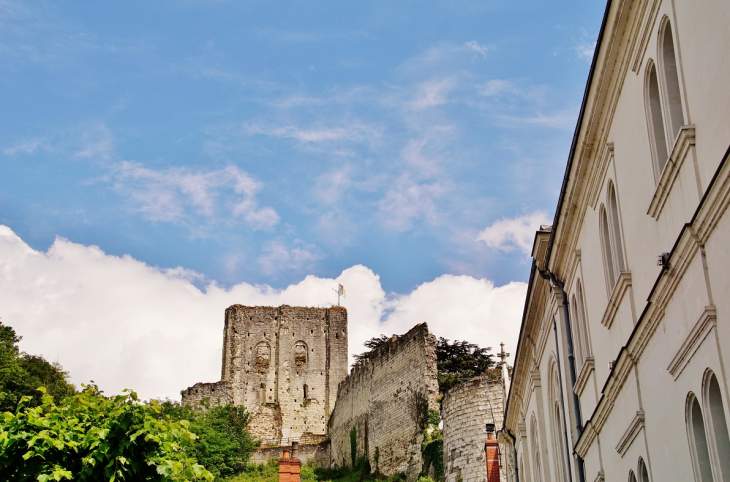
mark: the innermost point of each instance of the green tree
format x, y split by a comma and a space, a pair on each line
223, 445
460, 361
21, 374
91, 437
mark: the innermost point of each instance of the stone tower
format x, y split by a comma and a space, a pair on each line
283, 364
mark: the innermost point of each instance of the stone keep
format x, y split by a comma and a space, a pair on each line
284, 365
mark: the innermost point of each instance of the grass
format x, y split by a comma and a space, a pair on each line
270, 473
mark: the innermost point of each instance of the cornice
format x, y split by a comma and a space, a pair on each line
647, 11
702, 327
681, 149
589, 367
617, 295
630, 433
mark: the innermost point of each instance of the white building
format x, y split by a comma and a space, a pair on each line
620, 372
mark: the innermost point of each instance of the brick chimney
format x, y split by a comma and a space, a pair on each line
491, 448
290, 467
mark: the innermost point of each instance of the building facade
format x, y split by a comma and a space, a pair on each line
620, 370
284, 365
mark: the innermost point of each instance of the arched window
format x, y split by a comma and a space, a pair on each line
580, 326
616, 244
655, 120
262, 394
535, 446
643, 473
556, 421
607, 250
632, 477
306, 392
698, 440
672, 97
717, 424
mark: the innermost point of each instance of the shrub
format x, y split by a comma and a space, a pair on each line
91, 437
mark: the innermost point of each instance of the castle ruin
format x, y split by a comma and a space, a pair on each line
283, 365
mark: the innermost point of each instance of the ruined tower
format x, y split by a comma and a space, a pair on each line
283, 364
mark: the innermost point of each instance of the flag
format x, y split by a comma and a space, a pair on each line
341, 291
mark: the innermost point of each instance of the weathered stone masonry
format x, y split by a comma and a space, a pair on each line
466, 409
385, 398
284, 365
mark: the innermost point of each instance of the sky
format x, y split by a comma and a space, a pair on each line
160, 161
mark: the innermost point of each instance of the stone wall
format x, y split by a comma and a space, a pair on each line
283, 364
218, 393
385, 399
318, 454
466, 409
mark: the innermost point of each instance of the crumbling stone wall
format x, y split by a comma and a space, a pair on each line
283, 364
218, 393
385, 398
466, 409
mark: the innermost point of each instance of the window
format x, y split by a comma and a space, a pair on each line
656, 123
615, 227
632, 477
610, 226
535, 445
698, 441
306, 392
663, 99
717, 425
580, 327
558, 427
643, 473
673, 98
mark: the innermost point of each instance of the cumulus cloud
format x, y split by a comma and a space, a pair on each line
123, 323
508, 234
171, 194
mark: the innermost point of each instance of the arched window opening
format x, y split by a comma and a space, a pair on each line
656, 122
577, 328
583, 320
535, 446
643, 473
306, 392
262, 394
632, 477
718, 424
607, 251
558, 427
698, 441
618, 252
671, 82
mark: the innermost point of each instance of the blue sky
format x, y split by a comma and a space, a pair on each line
263, 141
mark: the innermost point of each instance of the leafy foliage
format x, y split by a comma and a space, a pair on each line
91, 437
460, 361
432, 447
21, 374
224, 444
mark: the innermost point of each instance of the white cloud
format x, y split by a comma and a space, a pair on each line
432, 93
583, 47
170, 194
508, 234
409, 200
278, 257
351, 132
122, 323
474, 46
26, 147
